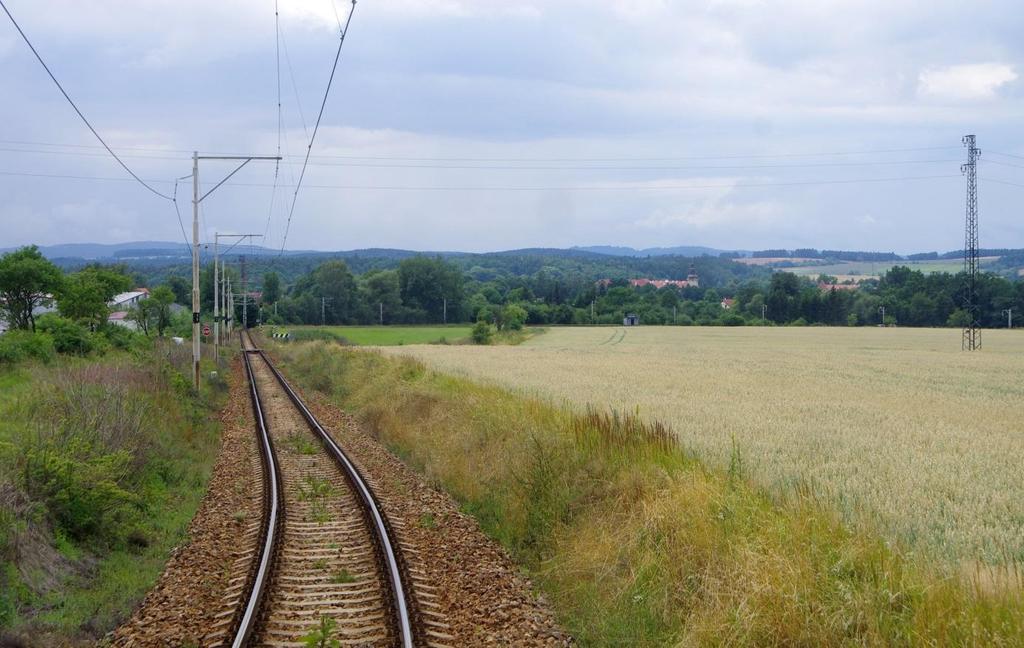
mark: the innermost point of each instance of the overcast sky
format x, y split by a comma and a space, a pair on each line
496, 124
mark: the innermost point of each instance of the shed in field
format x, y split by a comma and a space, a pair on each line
631, 319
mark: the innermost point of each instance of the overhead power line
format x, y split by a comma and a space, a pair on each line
1002, 182
605, 167
75, 106
547, 160
177, 211
1006, 164
1009, 155
323, 104
644, 187
280, 118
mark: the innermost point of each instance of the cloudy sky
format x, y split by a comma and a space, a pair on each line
496, 124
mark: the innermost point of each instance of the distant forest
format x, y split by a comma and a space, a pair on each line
538, 287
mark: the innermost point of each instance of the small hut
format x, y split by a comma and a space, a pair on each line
631, 319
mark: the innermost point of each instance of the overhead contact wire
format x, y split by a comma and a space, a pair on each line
77, 110
323, 105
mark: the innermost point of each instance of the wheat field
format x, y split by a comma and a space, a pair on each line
896, 427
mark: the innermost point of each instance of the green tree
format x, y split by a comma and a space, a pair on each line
334, 284
84, 295
380, 288
159, 307
426, 285
513, 317
182, 290
271, 287
27, 281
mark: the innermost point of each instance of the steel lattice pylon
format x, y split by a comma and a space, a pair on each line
972, 329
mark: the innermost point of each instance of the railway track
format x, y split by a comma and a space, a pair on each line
323, 560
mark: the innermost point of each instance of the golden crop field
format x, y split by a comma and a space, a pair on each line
897, 427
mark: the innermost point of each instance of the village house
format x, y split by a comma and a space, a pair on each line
121, 306
691, 281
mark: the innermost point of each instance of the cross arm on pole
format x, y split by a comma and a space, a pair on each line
245, 160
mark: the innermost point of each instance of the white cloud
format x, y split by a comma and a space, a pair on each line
968, 82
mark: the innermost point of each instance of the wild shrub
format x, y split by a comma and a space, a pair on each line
90, 434
121, 337
68, 337
16, 346
85, 490
482, 333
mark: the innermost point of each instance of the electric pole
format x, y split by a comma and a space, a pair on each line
382, 313
323, 309
445, 310
195, 269
245, 295
1009, 317
881, 309
971, 338
219, 295
196, 199
764, 309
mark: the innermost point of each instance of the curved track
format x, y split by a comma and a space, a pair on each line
326, 558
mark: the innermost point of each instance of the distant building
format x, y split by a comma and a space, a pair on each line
691, 281
661, 283
826, 287
128, 300
121, 318
631, 319
727, 303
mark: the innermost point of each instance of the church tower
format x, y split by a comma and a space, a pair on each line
692, 277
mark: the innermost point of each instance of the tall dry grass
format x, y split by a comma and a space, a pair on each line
635, 541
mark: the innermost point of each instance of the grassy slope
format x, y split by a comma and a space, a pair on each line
395, 335
64, 579
637, 543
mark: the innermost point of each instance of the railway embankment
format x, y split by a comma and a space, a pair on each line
103, 461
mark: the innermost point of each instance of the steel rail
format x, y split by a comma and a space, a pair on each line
274, 505
388, 555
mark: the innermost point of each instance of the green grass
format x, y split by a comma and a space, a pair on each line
397, 335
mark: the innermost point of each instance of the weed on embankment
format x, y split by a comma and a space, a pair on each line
102, 465
637, 543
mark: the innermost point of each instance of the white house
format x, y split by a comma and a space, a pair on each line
128, 300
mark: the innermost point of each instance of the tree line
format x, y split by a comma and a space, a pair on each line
509, 291
432, 290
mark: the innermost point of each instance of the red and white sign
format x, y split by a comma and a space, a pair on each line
206, 330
